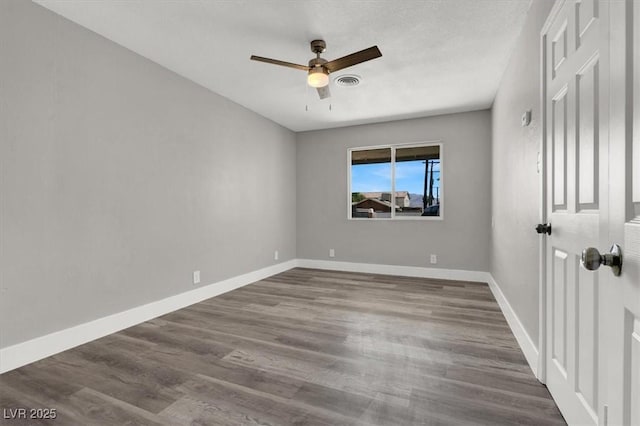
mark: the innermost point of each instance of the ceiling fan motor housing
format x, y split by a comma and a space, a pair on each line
317, 62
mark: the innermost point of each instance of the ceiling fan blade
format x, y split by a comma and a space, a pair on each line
323, 92
353, 59
278, 62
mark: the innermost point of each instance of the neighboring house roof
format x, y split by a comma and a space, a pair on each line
373, 200
378, 195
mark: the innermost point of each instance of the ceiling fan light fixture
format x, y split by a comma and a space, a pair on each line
318, 77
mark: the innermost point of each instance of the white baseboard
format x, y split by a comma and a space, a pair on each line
33, 350
405, 271
529, 348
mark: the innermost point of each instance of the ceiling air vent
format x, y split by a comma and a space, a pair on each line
348, 80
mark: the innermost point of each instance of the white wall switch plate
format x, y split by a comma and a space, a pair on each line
276, 255
525, 120
196, 277
332, 253
433, 259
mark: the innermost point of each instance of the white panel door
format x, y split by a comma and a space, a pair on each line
591, 52
575, 53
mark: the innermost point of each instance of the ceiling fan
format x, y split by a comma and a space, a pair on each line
318, 69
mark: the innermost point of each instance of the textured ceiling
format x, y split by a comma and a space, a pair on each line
438, 56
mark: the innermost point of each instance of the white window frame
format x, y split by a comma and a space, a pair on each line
393, 148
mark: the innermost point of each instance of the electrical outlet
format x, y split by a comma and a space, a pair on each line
434, 259
276, 255
196, 277
332, 253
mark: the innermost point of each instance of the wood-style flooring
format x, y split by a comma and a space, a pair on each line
305, 347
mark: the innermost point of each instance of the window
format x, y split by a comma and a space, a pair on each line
396, 182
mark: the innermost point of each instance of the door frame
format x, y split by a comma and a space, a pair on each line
541, 371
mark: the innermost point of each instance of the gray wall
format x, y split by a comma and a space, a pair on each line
461, 240
119, 178
515, 181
